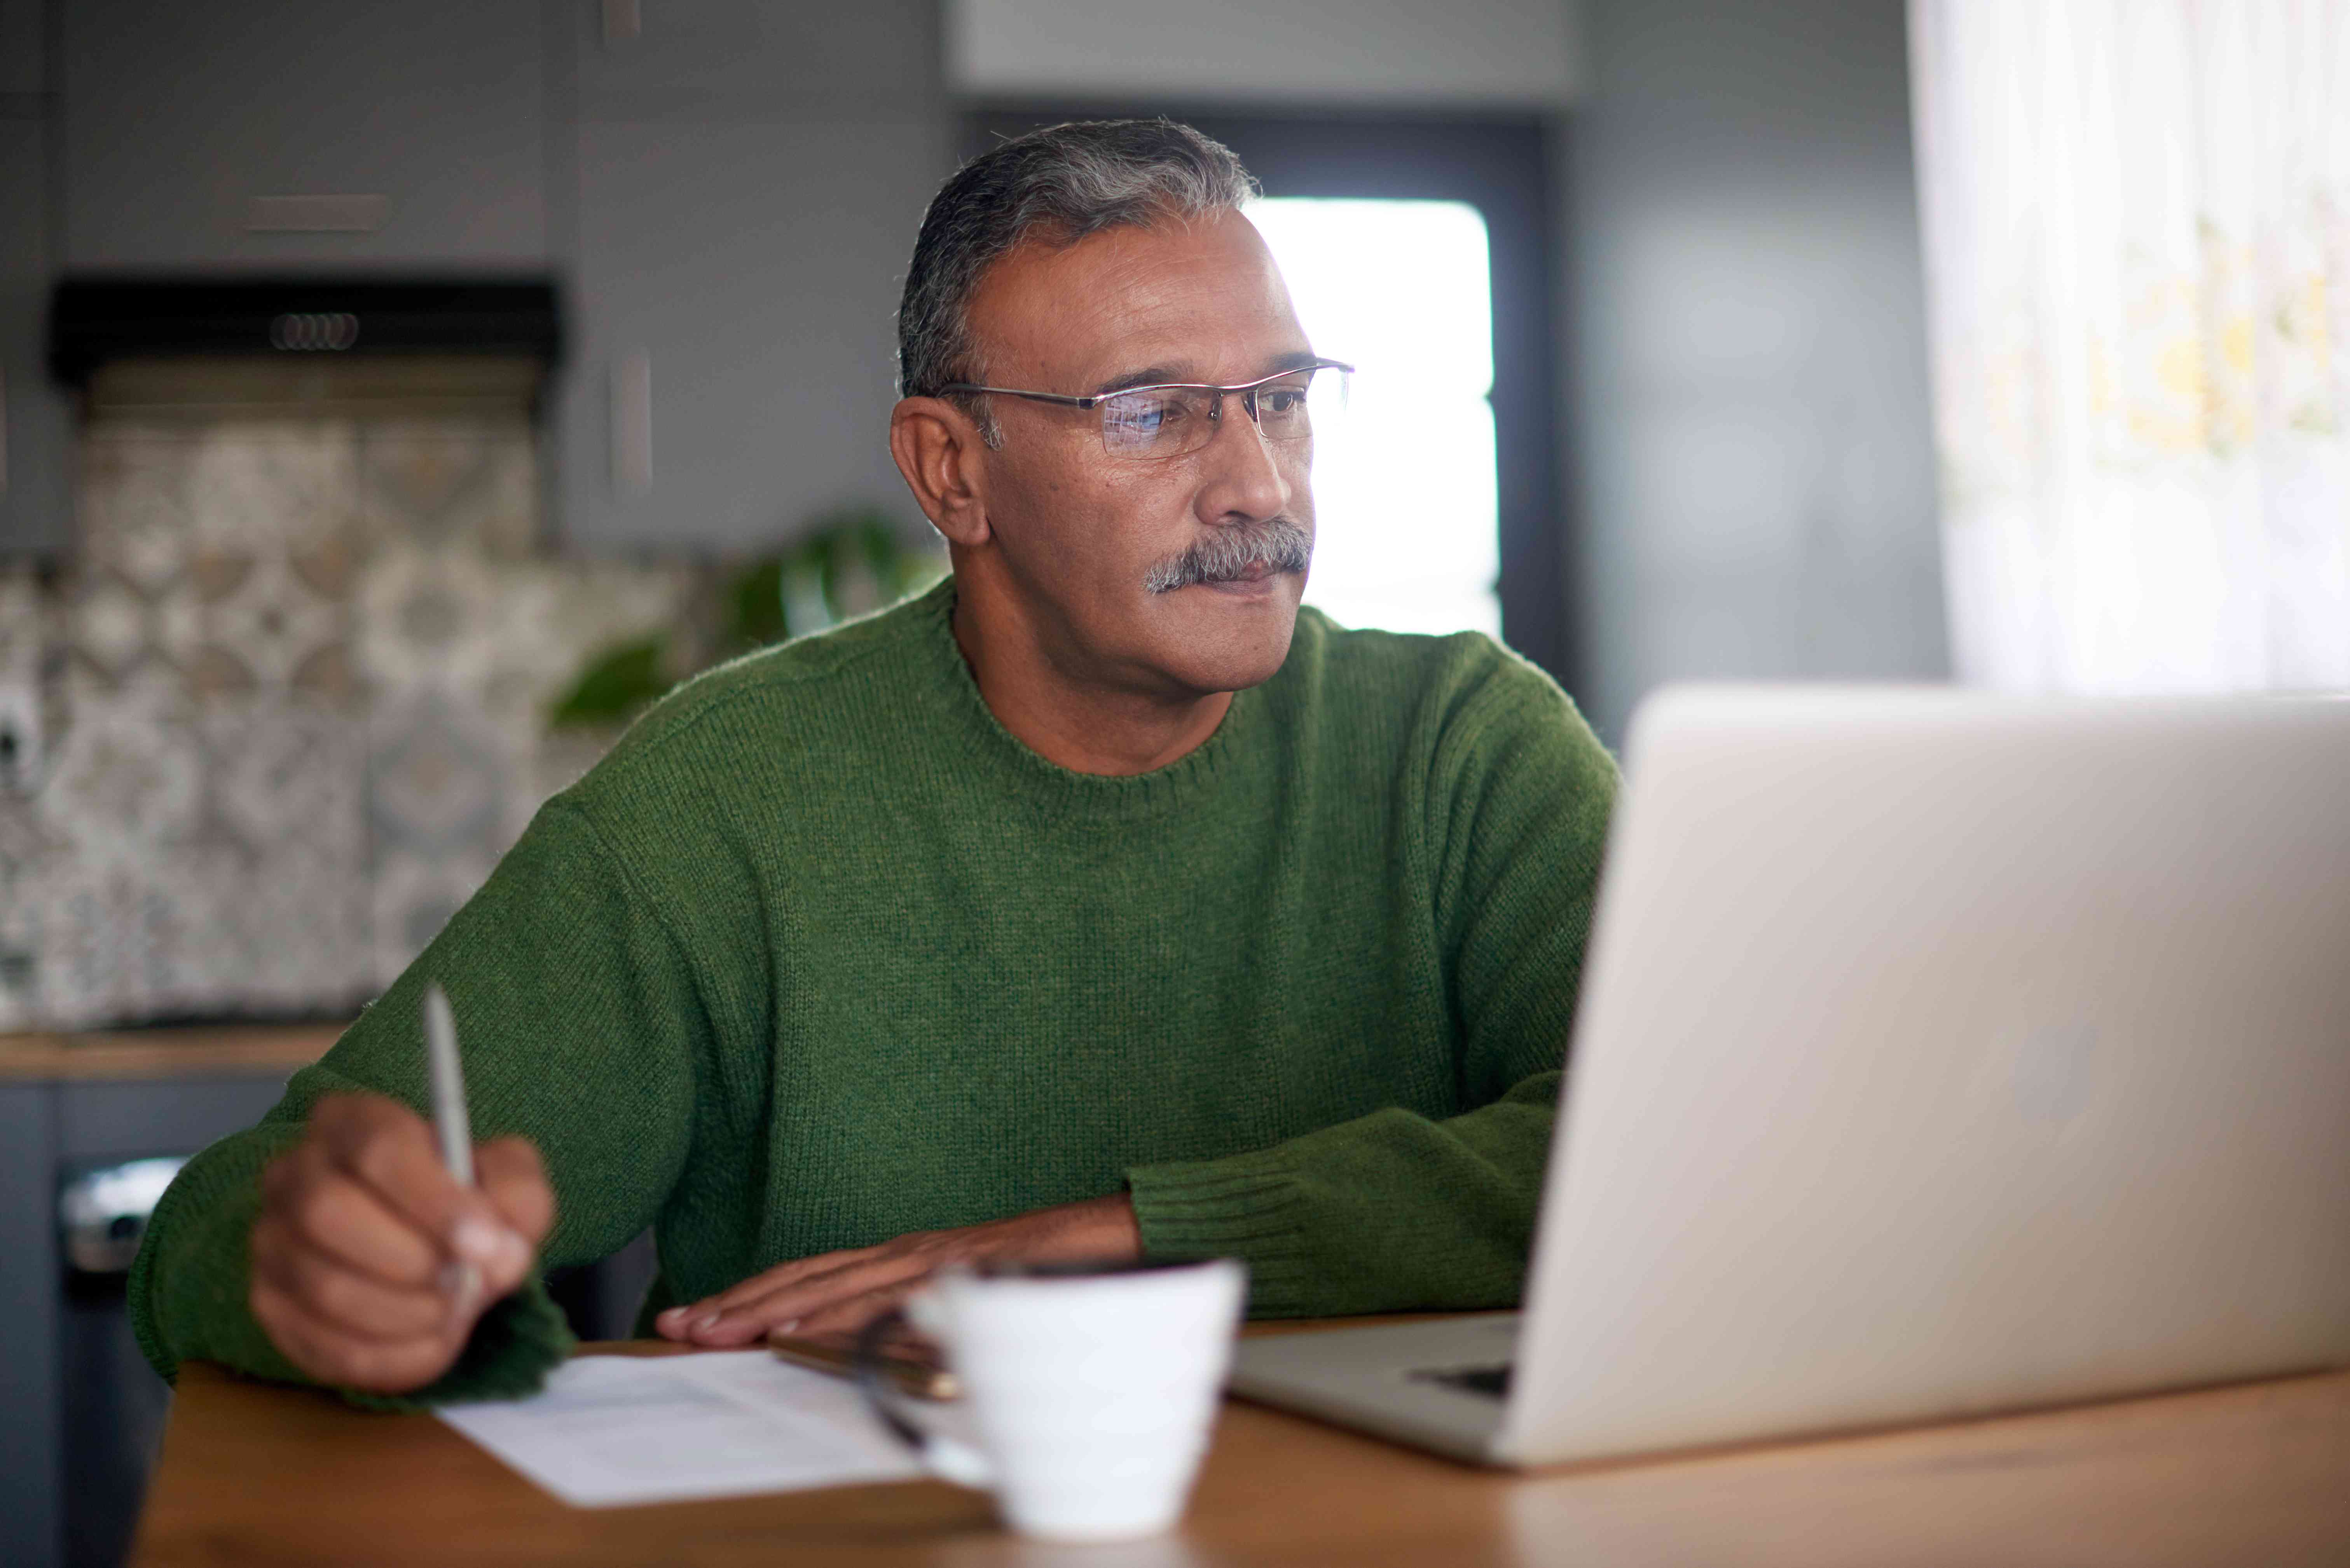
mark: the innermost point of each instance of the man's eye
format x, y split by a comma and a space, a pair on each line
1282, 401
1145, 416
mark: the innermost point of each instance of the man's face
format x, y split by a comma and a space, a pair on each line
1080, 532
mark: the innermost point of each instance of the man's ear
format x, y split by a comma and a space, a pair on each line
938, 449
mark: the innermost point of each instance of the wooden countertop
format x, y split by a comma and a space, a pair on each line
2254, 1473
178, 1053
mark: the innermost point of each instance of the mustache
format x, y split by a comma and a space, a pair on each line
1232, 553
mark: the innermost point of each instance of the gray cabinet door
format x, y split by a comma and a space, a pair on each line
32, 1464
72, 1386
288, 133
34, 511
750, 177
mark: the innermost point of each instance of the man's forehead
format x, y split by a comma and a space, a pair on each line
1182, 301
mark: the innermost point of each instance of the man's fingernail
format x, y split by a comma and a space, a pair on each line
785, 1327
492, 1246
671, 1318
476, 1238
706, 1322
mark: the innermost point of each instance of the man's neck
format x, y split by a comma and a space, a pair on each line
1086, 727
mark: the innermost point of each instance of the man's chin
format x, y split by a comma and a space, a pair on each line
1228, 637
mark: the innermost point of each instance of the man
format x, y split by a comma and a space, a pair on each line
1098, 903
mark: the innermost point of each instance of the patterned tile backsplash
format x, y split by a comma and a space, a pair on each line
290, 706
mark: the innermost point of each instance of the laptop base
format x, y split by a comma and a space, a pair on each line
1432, 1385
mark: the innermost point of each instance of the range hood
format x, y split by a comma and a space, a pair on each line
97, 320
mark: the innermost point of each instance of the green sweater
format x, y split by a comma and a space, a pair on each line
822, 954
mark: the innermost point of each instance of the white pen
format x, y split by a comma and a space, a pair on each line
449, 1118
450, 1122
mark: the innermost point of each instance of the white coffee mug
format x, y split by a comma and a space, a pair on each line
1091, 1391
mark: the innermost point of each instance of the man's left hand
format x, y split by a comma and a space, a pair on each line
836, 1292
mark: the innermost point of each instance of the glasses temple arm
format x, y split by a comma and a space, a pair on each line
1061, 398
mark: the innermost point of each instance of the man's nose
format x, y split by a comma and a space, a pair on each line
1243, 474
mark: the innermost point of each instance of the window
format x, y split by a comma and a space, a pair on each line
1405, 502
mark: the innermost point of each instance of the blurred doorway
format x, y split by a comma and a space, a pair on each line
1378, 221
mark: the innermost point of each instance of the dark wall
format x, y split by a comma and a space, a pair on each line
1752, 477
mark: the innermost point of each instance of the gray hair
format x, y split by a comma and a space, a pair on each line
1056, 185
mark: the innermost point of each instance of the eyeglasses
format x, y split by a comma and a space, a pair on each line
1176, 419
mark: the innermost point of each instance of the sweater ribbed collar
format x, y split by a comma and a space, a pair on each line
1064, 796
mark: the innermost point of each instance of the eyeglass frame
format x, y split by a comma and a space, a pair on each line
1245, 390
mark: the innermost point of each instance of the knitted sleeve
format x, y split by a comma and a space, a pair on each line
579, 1023
1397, 1210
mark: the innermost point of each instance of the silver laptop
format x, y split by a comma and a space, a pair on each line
1937, 1053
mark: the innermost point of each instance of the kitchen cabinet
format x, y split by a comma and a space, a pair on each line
33, 510
750, 178
32, 1460
83, 1405
279, 134
728, 191
23, 59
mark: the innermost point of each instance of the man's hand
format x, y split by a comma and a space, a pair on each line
836, 1292
369, 1263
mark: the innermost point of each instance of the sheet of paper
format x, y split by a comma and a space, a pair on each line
608, 1430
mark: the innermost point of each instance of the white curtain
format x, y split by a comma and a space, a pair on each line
2138, 236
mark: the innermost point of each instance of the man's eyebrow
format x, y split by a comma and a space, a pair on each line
1148, 375
1161, 375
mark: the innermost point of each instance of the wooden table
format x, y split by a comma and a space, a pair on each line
2258, 1473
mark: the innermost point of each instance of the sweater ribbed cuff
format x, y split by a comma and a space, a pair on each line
516, 1343
195, 1274
1247, 1207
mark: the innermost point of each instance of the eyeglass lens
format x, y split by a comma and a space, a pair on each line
1172, 422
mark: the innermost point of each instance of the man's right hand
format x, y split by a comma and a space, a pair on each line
369, 1263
